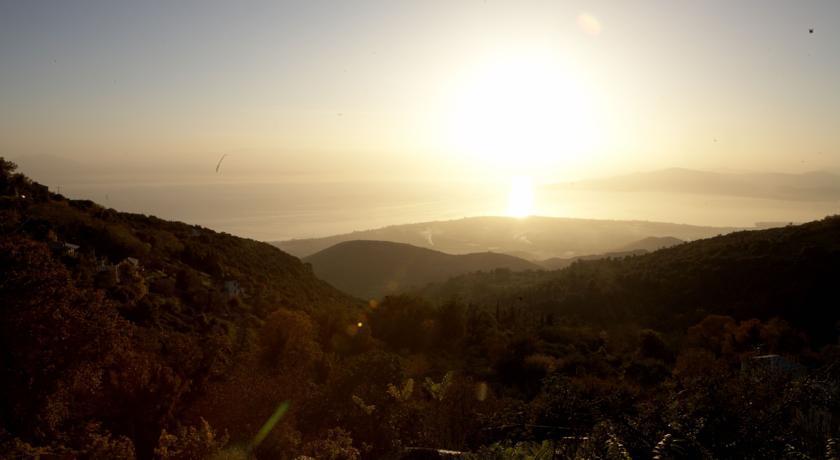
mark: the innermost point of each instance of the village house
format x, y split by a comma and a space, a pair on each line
233, 289
65, 249
106, 274
205, 279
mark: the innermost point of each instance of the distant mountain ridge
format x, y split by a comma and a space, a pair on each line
652, 243
810, 186
372, 269
534, 238
557, 263
636, 248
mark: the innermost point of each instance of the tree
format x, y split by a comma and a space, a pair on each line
651, 345
451, 318
7, 168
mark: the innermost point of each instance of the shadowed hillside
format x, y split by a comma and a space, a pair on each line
371, 269
116, 327
126, 336
784, 272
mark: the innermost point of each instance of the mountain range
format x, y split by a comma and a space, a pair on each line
643, 246
810, 186
372, 269
532, 238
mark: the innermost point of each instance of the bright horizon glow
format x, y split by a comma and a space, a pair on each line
341, 116
523, 112
521, 197
486, 90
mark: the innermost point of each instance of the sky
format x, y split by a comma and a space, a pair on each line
506, 92
342, 87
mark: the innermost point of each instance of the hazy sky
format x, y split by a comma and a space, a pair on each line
553, 90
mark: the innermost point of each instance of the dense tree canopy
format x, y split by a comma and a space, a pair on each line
156, 339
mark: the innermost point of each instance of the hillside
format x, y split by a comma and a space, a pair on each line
534, 238
372, 269
785, 272
118, 326
126, 336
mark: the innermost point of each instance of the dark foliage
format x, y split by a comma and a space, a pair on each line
156, 339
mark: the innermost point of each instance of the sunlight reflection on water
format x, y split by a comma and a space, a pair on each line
282, 211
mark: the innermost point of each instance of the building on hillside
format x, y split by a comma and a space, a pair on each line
154, 274
233, 289
429, 453
205, 279
71, 249
107, 275
65, 249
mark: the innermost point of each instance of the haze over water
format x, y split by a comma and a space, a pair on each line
337, 117
278, 211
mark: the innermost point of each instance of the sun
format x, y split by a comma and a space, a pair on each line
522, 113
521, 197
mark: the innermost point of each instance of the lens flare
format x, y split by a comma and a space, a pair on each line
589, 24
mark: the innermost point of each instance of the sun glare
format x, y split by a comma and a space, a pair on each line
522, 113
521, 197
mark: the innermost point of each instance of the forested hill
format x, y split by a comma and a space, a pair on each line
124, 336
372, 269
115, 327
788, 272
191, 255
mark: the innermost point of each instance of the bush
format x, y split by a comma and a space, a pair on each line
191, 443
